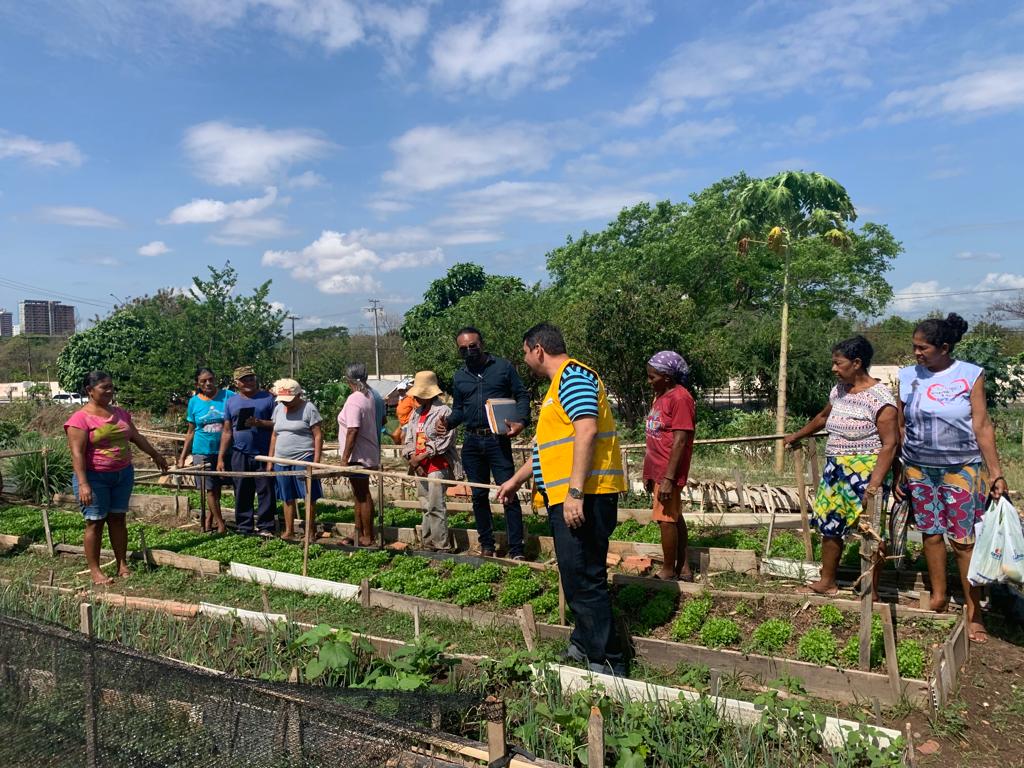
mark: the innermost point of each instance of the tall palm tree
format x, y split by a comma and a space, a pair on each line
782, 209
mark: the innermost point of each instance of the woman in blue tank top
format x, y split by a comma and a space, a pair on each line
947, 435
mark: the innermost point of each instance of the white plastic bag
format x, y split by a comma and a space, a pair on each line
999, 546
1013, 543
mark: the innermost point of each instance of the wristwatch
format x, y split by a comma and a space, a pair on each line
575, 493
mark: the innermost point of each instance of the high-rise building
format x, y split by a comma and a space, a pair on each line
6, 324
46, 318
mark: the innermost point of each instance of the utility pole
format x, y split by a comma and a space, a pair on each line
376, 308
294, 365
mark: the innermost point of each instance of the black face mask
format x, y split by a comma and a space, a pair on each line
472, 355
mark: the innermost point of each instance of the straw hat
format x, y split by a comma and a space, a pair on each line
286, 390
425, 386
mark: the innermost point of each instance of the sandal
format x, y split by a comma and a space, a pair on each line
978, 636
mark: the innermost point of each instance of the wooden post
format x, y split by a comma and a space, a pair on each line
89, 689
380, 508
561, 601
265, 599
595, 739
705, 568
496, 741
891, 663
204, 526
939, 684
529, 626
308, 532
801, 492
625, 468
364, 592
177, 490
865, 608
715, 682
815, 473
908, 733
737, 477
416, 622
145, 550
769, 500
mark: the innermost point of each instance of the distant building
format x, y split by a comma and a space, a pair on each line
46, 318
6, 324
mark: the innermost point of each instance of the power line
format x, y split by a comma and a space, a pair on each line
375, 307
901, 296
19, 286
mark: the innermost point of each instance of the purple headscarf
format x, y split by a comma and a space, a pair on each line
671, 364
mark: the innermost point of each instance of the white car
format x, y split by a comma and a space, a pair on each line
66, 398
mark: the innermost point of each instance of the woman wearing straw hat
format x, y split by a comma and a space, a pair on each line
430, 455
297, 435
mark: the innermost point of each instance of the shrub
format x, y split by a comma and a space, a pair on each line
830, 616
27, 471
692, 617
718, 632
9, 433
910, 657
817, 646
771, 636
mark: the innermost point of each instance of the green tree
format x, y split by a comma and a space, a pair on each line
322, 355
152, 345
1003, 373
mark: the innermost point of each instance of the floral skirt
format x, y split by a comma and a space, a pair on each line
947, 500
840, 497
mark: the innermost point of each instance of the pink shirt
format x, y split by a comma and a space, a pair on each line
360, 411
107, 448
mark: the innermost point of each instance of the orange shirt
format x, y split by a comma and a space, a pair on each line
405, 408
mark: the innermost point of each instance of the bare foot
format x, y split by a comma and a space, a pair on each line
823, 588
288, 535
977, 633
101, 579
124, 572
365, 541
222, 528
665, 574
938, 603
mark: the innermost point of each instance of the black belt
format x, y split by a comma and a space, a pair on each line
479, 431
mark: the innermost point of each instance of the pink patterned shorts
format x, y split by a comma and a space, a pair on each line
947, 500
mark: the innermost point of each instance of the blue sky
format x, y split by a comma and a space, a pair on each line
350, 150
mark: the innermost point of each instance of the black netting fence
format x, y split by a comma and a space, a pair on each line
67, 700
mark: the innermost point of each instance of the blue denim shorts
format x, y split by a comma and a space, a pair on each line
110, 492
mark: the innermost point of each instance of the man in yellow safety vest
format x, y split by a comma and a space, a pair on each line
577, 469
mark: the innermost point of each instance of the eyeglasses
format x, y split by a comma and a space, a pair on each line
468, 347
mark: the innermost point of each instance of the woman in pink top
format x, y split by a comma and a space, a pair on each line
359, 445
99, 436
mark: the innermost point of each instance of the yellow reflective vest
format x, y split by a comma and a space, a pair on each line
555, 437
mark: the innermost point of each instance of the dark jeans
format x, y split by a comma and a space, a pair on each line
246, 488
582, 553
482, 457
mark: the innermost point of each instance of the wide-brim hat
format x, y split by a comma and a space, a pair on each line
424, 386
286, 390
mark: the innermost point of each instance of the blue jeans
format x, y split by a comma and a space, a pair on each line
482, 457
110, 492
582, 554
248, 520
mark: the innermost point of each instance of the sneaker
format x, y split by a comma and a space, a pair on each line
606, 668
518, 558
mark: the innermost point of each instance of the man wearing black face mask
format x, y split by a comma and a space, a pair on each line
484, 454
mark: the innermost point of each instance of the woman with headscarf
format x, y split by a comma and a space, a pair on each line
359, 444
670, 427
947, 437
860, 419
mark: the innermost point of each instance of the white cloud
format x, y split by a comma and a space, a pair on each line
385, 206
997, 87
977, 256
155, 248
683, 138
306, 180
829, 49
39, 152
80, 216
538, 201
348, 262
246, 231
207, 211
227, 154
433, 156
924, 296
527, 41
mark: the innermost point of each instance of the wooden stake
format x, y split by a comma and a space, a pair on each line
815, 473
705, 568
364, 592
145, 550
891, 662
938, 683
265, 598
529, 626
595, 739
865, 609
89, 689
911, 754
801, 492
308, 532
416, 622
49, 534
715, 682
497, 744
737, 477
